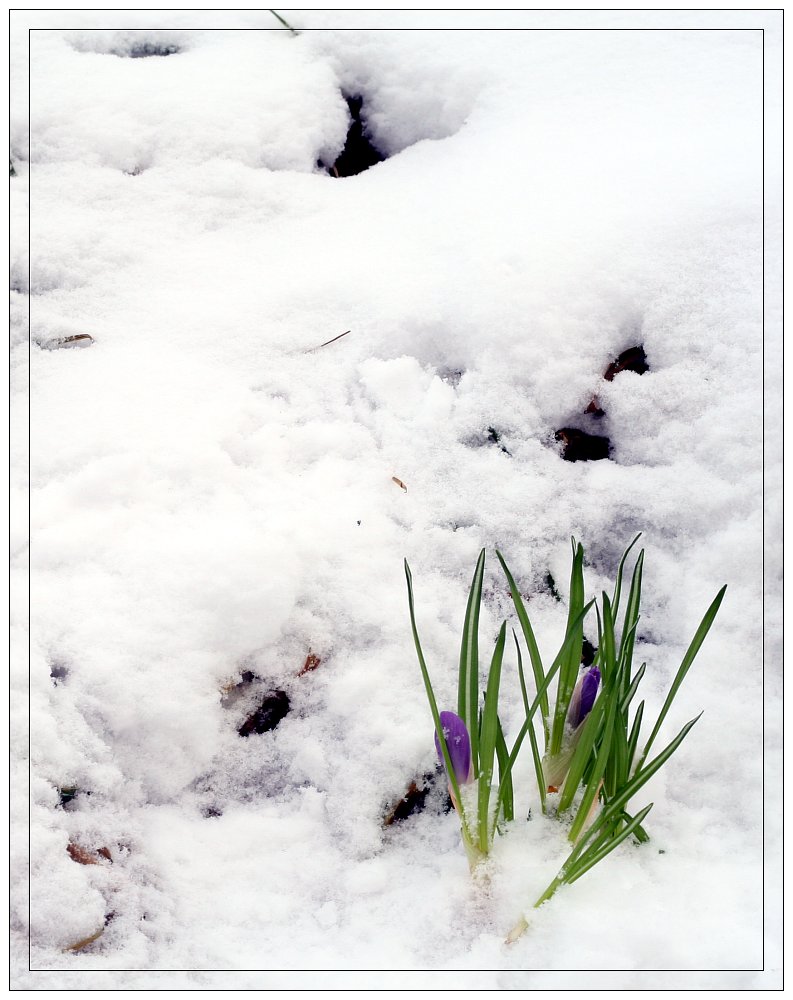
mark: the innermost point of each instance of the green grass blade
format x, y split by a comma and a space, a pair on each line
614, 806
568, 672
628, 696
688, 659
639, 832
632, 613
431, 698
502, 755
468, 682
619, 754
590, 859
531, 644
535, 750
487, 744
577, 864
615, 602
633, 739
608, 664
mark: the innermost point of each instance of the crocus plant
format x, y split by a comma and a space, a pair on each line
593, 761
471, 741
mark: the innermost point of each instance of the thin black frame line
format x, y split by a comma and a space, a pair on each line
419, 10
762, 570
249, 28
30, 500
301, 31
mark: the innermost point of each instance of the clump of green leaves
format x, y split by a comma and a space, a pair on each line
603, 761
478, 726
593, 759
478, 743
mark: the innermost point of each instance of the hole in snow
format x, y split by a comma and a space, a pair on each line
633, 359
272, 708
258, 707
359, 152
580, 446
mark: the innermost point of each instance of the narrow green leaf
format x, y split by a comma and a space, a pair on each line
633, 739
639, 832
619, 755
431, 698
571, 661
576, 864
502, 755
589, 860
468, 683
615, 603
688, 659
531, 643
614, 806
628, 697
632, 613
535, 750
609, 661
487, 744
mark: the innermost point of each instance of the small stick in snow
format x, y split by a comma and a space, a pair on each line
79, 945
331, 341
399, 483
286, 24
75, 340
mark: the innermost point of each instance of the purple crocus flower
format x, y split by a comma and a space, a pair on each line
583, 697
458, 743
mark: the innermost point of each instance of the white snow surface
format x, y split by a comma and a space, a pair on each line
210, 496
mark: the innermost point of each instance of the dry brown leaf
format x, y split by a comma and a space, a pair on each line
82, 855
399, 483
312, 662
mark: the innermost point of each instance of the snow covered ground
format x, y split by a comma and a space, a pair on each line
211, 495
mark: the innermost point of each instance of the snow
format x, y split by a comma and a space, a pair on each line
214, 493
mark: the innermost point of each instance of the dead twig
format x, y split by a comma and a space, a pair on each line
331, 341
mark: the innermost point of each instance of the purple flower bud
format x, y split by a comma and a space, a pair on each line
583, 697
458, 744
